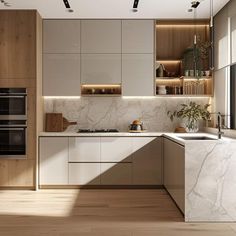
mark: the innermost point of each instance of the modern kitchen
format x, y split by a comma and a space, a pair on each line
118, 117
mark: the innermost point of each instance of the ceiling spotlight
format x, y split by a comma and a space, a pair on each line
67, 5
135, 6
6, 4
195, 4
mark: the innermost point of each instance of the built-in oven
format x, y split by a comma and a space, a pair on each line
13, 138
13, 104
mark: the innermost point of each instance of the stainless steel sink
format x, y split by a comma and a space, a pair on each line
197, 138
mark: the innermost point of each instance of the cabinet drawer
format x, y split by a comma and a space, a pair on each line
84, 149
116, 149
84, 173
116, 173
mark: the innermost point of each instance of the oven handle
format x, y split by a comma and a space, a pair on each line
11, 128
12, 96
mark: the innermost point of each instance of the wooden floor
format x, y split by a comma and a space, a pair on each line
98, 212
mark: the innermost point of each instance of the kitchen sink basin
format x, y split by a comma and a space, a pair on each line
197, 138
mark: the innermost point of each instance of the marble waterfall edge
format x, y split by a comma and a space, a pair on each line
118, 112
210, 181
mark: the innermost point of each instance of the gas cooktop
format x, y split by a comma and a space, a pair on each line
98, 131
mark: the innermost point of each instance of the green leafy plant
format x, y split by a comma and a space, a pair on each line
192, 112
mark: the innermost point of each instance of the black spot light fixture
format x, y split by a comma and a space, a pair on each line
67, 5
135, 5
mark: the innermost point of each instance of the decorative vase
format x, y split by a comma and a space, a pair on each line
191, 126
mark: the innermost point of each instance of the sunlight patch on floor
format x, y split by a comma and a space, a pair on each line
55, 203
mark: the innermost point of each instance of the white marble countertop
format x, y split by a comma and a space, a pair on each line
174, 136
108, 134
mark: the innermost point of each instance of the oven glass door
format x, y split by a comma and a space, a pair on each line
13, 105
12, 142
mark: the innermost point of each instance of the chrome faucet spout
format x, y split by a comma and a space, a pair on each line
219, 119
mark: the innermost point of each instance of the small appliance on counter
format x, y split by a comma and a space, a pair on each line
136, 126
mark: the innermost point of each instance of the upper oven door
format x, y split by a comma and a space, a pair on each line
13, 106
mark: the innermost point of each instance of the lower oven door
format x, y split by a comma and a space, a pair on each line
13, 142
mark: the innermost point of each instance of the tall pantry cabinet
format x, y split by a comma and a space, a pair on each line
20, 67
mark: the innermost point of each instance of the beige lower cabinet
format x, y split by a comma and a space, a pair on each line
100, 161
116, 149
147, 161
84, 173
53, 158
174, 171
116, 173
84, 149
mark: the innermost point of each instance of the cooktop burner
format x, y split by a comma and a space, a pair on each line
98, 131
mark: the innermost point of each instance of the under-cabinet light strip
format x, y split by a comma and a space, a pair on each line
101, 85
180, 26
61, 97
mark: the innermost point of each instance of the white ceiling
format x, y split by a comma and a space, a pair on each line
155, 9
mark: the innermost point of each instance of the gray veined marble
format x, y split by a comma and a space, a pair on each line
210, 181
118, 112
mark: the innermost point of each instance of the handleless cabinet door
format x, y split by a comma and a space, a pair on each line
174, 171
53, 161
137, 75
61, 75
116, 173
147, 161
84, 173
61, 36
84, 149
233, 38
137, 36
116, 149
101, 36
101, 68
221, 39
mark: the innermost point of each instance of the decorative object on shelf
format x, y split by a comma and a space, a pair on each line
191, 113
101, 89
161, 89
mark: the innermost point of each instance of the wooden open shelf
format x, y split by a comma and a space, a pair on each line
101, 90
185, 86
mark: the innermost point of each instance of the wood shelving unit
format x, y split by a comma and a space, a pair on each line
101, 90
175, 75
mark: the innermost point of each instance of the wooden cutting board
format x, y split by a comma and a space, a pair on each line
54, 122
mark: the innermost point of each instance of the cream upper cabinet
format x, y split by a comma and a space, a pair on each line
233, 38
221, 39
61, 75
137, 75
174, 171
84, 149
147, 161
53, 157
101, 36
101, 68
61, 36
137, 36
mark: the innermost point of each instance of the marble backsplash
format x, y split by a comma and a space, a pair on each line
118, 112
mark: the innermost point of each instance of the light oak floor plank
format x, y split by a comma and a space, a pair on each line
98, 212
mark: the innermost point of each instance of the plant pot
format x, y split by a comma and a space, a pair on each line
192, 126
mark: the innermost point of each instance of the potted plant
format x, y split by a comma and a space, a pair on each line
191, 113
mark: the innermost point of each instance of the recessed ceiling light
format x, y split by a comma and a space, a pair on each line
6, 4
67, 5
135, 6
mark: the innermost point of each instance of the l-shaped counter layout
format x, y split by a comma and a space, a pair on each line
199, 174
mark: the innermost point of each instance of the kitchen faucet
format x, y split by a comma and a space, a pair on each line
219, 120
